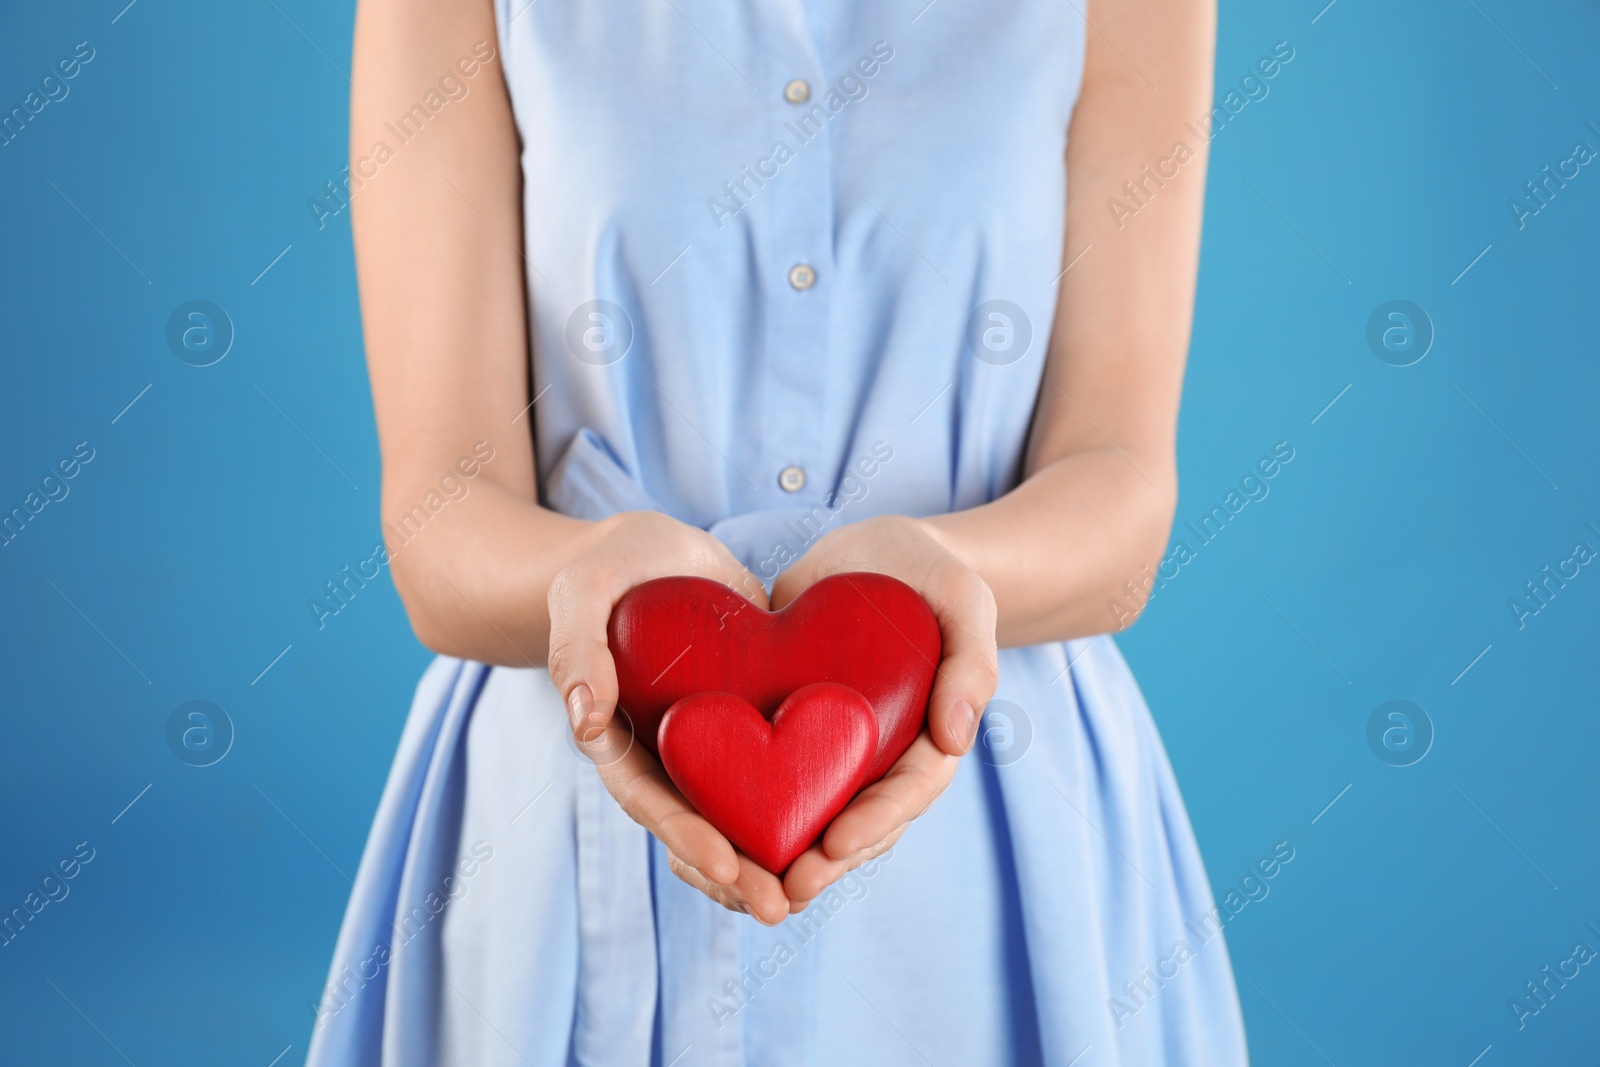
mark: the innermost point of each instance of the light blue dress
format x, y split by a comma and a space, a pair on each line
791, 264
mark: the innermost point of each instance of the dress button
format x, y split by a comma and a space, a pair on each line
791, 479
797, 91
802, 277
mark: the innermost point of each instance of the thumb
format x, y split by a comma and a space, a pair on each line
581, 666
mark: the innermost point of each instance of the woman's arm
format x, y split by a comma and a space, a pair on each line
1096, 506
438, 237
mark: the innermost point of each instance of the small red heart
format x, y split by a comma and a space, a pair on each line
674, 637
772, 788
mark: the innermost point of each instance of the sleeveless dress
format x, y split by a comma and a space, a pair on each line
790, 264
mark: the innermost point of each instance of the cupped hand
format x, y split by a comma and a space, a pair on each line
628, 549
907, 549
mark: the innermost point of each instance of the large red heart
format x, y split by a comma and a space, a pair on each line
772, 788
674, 637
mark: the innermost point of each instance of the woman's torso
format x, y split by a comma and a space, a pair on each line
672, 189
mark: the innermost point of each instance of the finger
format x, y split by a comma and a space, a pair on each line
847, 549
696, 879
723, 567
642, 546
961, 603
762, 893
757, 893
915, 780
649, 798
705, 557
814, 871
581, 667
800, 576
970, 670
693, 876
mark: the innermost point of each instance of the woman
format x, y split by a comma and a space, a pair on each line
766, 292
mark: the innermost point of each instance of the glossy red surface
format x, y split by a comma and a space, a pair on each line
674, 637
772, 788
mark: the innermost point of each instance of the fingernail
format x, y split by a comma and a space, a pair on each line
964, 720
578, 703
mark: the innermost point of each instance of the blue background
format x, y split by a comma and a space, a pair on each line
1380, 566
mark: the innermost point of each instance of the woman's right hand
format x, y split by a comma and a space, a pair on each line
629, 549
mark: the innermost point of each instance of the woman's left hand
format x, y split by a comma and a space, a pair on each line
906, 549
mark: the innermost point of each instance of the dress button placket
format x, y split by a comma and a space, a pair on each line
797, 429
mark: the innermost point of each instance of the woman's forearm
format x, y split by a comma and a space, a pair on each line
476, 579
1057, 550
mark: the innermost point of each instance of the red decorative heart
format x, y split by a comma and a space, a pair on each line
674, 637
772, 788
